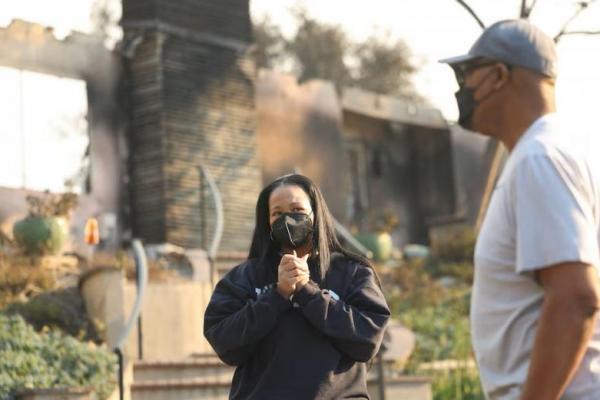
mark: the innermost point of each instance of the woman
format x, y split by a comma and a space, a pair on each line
301, 317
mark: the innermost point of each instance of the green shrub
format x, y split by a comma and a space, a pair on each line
62, 309
414, 287
50, 360
457, 384
439, 317
441, 330
458, 247
442, 333
453, 256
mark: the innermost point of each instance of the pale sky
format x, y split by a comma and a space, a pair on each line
42, 140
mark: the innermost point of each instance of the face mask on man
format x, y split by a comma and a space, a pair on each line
465, 98
292, 230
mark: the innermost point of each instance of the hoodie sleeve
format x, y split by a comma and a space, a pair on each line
356, 323
236, 319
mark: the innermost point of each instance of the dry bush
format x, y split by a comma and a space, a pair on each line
22, 278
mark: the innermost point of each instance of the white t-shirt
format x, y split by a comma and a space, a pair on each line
545, 210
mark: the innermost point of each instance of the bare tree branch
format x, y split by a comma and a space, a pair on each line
523, 12
580, 33
470, 11
533, 3
526, 11
583, 5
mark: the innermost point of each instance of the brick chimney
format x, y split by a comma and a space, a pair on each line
191, 92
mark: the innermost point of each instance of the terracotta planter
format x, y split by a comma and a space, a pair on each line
54, 394
41, 236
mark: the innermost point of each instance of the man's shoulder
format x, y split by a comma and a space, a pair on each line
554, 138
551, 149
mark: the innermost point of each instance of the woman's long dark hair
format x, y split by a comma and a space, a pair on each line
325, 241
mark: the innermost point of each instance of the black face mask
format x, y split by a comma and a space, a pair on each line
292, 230
465, 98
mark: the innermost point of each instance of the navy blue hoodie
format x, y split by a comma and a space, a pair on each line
313, 347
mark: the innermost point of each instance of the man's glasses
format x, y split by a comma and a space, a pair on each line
462, 70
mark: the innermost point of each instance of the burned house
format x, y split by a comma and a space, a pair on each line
374, 156
175, 96
62, 121
181, 92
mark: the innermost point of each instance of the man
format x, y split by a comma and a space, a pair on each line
536, 293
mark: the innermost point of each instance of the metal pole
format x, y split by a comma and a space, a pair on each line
380, 376
203, 211
140, 335
119, 354
140, 338
141, 283
218, 234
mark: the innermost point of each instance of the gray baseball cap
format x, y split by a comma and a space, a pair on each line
514, 42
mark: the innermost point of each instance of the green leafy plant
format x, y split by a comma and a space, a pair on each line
442, 333
50, 360
63, 309
442, 330
457, 384
453, 256
439, 317
413, 286
45, 230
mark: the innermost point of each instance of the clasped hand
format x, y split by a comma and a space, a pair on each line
292, 275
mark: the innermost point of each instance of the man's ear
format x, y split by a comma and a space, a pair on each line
502, 75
